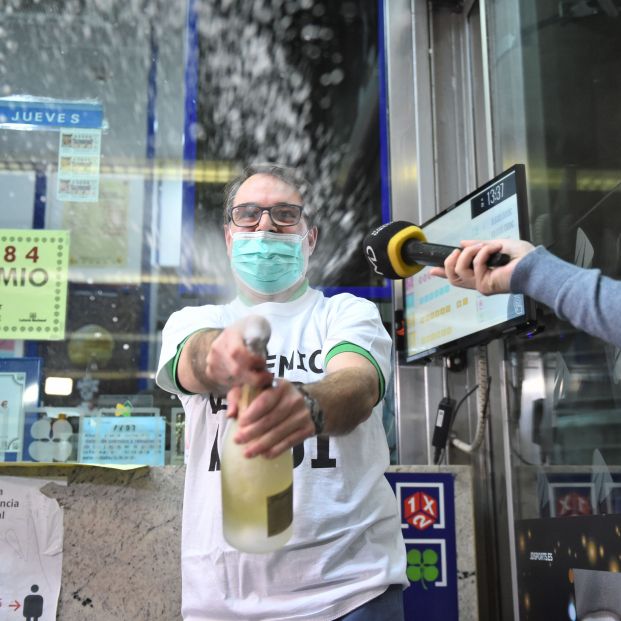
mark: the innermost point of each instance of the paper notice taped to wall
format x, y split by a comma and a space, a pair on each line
31, 549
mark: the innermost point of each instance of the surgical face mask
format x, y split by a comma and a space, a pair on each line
267, 262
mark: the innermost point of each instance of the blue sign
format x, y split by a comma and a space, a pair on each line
427, 511
18, 114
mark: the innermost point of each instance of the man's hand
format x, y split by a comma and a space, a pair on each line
216, 360
467, 267
277, 419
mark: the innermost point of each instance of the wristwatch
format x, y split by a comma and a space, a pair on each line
316, 413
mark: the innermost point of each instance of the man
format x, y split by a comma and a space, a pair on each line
346, 558
583, 297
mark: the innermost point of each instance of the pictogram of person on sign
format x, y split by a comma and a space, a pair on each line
33, 605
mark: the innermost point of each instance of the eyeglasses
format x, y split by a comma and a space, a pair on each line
281, 214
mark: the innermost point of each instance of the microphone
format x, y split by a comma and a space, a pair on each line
400, 249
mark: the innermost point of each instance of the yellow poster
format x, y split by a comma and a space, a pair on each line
33, 284
99, 230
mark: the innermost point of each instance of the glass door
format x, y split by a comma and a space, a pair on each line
554, 72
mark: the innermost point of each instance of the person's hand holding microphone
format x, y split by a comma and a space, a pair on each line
468, 267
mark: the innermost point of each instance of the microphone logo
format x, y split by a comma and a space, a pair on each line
372, 259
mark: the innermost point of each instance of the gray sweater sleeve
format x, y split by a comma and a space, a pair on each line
584, 297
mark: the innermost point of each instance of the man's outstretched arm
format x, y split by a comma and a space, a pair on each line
279, 418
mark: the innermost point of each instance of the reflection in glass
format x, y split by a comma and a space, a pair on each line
121, 122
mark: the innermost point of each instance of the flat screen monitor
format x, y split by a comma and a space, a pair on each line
440, 318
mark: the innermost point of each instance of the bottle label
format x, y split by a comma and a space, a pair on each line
279, 511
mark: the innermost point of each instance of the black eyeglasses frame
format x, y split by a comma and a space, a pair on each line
269, 209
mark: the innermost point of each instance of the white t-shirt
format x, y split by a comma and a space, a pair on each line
346, 546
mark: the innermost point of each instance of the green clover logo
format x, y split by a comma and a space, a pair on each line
422, 567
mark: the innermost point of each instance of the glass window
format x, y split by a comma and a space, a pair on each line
120, 124
555, 70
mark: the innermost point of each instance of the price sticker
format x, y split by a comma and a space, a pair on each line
33, 284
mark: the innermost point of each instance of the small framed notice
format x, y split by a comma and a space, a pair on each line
33, 284
19, 391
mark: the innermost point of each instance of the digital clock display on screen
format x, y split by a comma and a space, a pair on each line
440, 318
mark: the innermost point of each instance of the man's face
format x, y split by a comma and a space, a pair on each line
267, 191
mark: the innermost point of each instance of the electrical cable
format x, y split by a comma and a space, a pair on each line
481, 422
440, 452
484, 386
444, 418
461, 401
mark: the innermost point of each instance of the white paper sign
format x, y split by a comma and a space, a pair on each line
123, 440
31, 544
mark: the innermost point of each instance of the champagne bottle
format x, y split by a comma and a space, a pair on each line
257, 493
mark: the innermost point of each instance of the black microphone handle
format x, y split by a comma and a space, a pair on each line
424, 253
